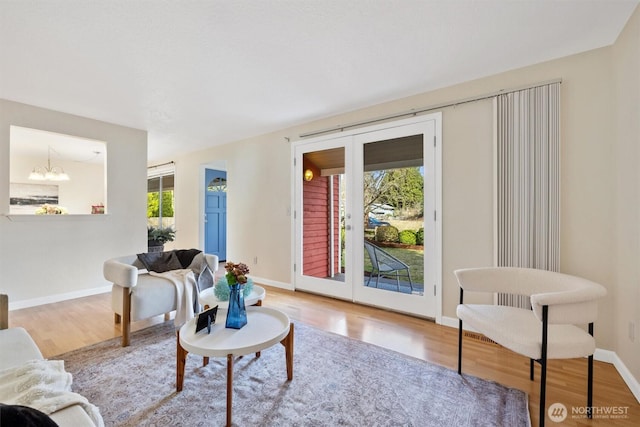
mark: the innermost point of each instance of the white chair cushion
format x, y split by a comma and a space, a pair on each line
73, 416
152, 296
17, 347
520, 331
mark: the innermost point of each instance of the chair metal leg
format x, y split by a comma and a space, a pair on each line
531, 369
590, 380
543, 364
460, 347
460, 337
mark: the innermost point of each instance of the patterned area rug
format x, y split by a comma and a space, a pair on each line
337, 381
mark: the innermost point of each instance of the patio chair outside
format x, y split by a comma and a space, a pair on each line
385, 264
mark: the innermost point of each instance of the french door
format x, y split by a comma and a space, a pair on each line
366, 226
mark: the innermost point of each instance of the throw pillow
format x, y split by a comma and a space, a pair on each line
186, 256
160, 262
205, 278
17, 415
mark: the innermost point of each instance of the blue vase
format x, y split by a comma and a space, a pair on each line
237, 313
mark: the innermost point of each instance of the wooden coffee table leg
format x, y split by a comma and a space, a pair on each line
181, 355
229, 388
287, 342
258, 304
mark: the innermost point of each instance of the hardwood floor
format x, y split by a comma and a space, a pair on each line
64, 326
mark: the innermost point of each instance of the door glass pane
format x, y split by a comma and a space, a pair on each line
160, 213
323, 199
217, 185
393, 196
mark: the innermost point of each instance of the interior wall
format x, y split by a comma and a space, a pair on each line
626, 65
467, 196
258, 203
51, 257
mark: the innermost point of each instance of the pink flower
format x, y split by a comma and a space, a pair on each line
236, 273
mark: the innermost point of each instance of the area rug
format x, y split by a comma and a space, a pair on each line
337, 381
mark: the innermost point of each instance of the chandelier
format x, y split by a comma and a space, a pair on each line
48, 173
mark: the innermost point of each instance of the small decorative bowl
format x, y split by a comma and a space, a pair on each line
221, 289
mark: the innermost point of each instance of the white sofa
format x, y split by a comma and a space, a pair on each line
137, 295
16, 349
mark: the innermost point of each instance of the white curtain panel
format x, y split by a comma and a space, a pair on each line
528, 178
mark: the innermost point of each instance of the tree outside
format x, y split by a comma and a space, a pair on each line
401, 188
153, 209
153, 204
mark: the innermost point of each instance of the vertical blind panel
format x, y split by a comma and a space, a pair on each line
528, 178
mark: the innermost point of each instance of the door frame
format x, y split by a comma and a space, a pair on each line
221, 234
220, 165
349, 136
318, 285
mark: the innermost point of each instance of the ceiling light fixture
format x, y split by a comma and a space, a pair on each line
48, 173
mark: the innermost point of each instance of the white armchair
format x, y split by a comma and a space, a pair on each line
559, 302
137, 295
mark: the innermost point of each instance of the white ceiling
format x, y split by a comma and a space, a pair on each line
200, 73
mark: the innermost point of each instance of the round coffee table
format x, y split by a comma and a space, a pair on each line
265, 327
208, 298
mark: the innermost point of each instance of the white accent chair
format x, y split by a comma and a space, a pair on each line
137, 295
559, 302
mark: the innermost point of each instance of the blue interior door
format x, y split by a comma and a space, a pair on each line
215, 213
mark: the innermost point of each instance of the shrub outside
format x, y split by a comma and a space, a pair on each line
387, 233
407, 237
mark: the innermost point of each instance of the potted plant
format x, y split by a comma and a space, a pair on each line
157, 237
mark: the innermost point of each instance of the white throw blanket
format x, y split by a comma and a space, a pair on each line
185, 283
45, 386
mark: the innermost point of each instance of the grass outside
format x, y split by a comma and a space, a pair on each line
406, 224
414, 258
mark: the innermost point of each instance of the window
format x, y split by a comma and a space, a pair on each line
160, 196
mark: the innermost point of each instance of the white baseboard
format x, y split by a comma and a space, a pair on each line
453, 322
274, 283
600, 355
625, 373
16, 305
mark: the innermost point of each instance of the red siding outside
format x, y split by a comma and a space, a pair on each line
315, 226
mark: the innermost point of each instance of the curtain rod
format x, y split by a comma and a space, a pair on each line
415, 112
161, 164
